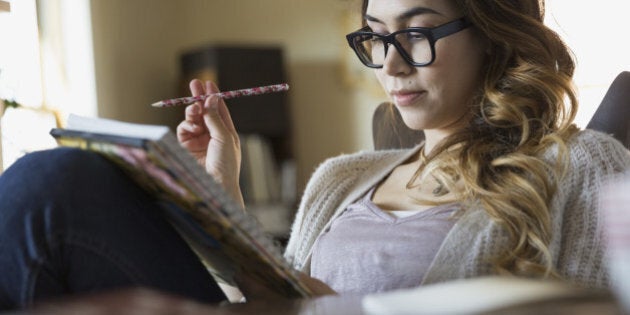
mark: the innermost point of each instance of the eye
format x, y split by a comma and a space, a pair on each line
380, 33
369, 39
415, 36
376, 39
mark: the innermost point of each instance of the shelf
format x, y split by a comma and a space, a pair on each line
5, 6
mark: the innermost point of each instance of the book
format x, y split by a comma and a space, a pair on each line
227, 239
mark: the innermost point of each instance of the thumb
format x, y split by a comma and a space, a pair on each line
213, 119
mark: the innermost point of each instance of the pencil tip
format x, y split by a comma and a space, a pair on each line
157, 104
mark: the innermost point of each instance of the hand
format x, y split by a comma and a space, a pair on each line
208, 133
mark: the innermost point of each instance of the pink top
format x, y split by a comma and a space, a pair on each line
368, 250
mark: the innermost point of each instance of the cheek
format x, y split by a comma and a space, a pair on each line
380, 76
461, 68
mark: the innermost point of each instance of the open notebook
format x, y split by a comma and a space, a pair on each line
226, 238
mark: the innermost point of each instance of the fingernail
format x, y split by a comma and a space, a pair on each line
213, 102
195, 109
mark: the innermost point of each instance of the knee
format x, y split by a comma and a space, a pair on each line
57, 188
59, 160
53, 172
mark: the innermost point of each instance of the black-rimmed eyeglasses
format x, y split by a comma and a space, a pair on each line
416, 45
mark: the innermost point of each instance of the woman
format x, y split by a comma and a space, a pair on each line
497, 187
503, 183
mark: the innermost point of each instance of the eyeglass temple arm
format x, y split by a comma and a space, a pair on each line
450, 28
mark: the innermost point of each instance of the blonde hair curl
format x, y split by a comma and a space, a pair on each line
525, 105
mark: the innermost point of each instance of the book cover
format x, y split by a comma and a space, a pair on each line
225, 237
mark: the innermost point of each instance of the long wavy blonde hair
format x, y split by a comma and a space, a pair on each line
526, 104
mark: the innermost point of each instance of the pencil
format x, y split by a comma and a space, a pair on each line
225, 95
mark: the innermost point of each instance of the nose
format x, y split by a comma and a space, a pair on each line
394, 64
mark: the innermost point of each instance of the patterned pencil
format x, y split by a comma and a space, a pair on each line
225, 95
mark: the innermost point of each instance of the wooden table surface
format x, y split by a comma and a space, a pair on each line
144, 301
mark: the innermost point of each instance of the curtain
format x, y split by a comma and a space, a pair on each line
67, 56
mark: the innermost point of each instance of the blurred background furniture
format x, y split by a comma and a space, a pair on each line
613, 114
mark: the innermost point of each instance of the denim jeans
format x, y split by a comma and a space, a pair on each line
72, 222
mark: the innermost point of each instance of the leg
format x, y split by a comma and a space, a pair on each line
72, 222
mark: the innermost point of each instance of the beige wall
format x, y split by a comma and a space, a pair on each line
137, 43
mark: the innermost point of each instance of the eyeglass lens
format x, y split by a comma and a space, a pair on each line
415, 45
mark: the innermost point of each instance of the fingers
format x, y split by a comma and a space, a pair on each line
212, 115
224, 113
197, 87
218, 119
213, 120
193, 124
211, 87
185, 129
193, 112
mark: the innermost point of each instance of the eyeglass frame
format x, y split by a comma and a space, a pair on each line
432, 34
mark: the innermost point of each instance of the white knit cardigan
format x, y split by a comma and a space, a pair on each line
577, 245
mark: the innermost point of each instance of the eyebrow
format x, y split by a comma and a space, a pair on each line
405, 15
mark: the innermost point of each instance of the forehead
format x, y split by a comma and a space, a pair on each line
405, 9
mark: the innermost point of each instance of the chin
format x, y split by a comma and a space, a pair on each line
414, 124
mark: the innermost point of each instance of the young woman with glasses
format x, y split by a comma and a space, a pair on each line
503, 183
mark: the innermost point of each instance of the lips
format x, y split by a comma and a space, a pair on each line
406, 98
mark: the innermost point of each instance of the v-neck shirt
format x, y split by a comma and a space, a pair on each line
368, 250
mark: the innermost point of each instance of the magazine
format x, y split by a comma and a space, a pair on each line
225, 237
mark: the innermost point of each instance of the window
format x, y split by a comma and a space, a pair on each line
25, 129
595, 31
46, 65
20, 74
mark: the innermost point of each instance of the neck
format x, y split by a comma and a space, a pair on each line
432, 138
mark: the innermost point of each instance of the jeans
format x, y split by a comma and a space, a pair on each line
72, 222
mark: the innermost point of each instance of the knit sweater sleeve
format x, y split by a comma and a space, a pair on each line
578, 242
577, 245
308, 220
